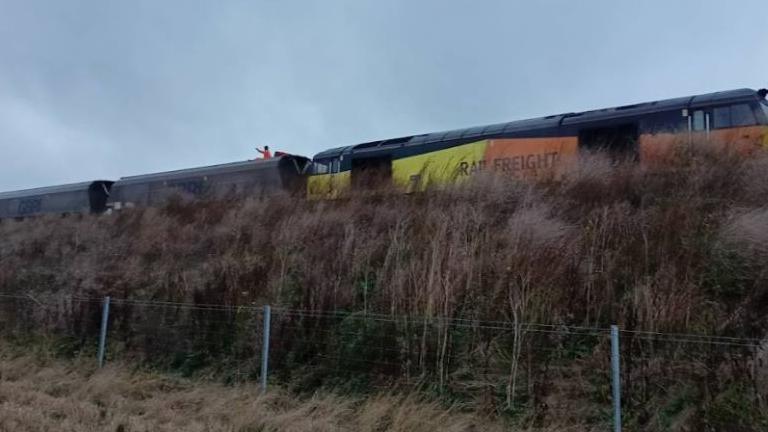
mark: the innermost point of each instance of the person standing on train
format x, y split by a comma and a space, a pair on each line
266, 154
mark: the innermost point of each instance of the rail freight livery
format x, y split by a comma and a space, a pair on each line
642, 131
521, 148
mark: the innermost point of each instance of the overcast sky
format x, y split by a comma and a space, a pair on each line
103, 89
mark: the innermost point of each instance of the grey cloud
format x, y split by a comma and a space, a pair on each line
108, 88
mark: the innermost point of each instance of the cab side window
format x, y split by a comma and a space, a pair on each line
721, 117
733, 116
742, 115
320, 168
698, 120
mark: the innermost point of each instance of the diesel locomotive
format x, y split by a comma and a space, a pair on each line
642, 132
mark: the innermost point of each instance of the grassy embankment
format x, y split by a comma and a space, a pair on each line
679, 247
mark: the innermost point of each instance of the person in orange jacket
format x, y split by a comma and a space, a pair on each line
266, 154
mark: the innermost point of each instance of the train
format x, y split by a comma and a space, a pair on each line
642, 132
285, 173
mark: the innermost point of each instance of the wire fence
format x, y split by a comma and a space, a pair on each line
528, 369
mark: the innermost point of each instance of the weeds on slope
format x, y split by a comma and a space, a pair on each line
673, 247
48, 394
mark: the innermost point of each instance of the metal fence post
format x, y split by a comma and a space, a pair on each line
616, 378
265, 348
103, 333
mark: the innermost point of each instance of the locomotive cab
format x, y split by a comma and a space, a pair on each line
741, 123
328, 174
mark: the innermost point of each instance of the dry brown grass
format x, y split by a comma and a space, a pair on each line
595, 247
674, 247
48, 395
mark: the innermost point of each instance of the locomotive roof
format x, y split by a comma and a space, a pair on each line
72, 187
251, 165
551, 121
